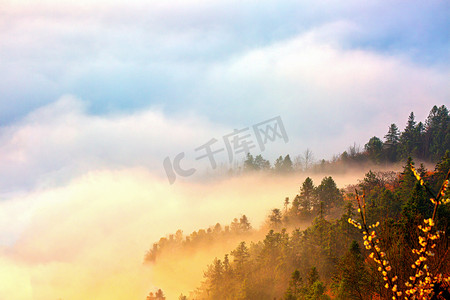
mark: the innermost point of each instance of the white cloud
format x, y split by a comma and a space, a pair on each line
120, 55
325, 93
61, 140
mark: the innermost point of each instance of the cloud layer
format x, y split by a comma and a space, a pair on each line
59, 141
88, 238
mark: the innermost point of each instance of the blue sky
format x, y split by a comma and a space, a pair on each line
335, 72
125, 57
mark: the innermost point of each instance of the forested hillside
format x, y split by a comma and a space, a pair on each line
425, 141
382, 238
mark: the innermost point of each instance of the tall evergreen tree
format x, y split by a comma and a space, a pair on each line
441, 170
328, 193
244, 224
390, 146
352, 280
437, 132
240, 256
287, 164
275, 218
408, 142
407, 181
307, 195
313, 276
249, 163
295, 286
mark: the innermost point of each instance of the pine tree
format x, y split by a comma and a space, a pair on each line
408, 142
295, 286
392, 139
307, 197
393, 135
249, 163
441, 170
313, 276
240, 256
437, 132
287, 164
407, 181
352, 281
244, 224
328, 193
159, 295
275, 218
278, 165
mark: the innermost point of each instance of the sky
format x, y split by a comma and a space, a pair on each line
111, 83
105, 91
